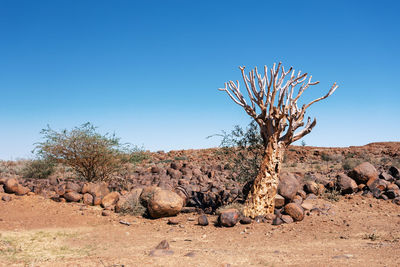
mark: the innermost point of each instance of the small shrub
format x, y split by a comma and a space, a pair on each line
133, 207
332, 195
326, 157
93, 156
245, 149
39, 169
350, 163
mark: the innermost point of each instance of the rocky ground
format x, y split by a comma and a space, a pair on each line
336, 206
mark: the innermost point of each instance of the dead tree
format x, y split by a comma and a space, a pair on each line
273, 105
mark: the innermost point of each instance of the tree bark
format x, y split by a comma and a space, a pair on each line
261, 198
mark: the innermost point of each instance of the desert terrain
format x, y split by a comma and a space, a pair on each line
40, 228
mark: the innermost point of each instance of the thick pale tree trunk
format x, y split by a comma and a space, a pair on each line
261, 198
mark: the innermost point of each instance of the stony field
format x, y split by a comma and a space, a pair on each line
336, 206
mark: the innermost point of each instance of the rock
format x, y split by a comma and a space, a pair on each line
229, 217
164, 203
11, 185
311, 196
345, 184
161, 249
277, 221
110, 200
72, 187
279, 201
106, 213
394, 171
202, 220
173, 221
311, 187
87, 199
132, 197
270, 216
391, 194
378, 183
392, 187
73, 196
302, 193
155, 169
288, 185
396, 201
21, 190
287, 219
364, 172
147, 193
1, 188
97, 190
376, 192
295, 211
307, 205
297, 199
6, 198
245, 220
386, 176
260, 219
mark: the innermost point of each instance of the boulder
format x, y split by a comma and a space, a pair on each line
297, 199
202, 220
277, 221
394, 171
378, 183
288, 185
229, 218
245, 220
72, 187
106, 213
147, 193
345, 184
22, 190
364, 172
386, 176
11, 185
73, 196
295, 211
287, 219
132, 197
110, 200
164, 203
311, 187
88, 199
97, 190
307, 205
279, 201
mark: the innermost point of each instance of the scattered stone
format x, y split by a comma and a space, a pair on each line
229, 218
391, 194
245, 220
260, 219
11, 185
87, 199
21, 190
106, 213
270, 217
202, 220
125, 223
279, 201
345, 184
173, 221
164, 203
161, 249
364, 172
307, 205
188, 210
277, 221
287, 219
110, 200
190, 254
295, 211
288, 185
297, 199
311, 196
73, 196
344, 256
394, 171
311, 187
6, 198
386, 176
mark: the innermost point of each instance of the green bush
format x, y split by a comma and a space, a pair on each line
245, 151
38, 168
93, 156
350, 163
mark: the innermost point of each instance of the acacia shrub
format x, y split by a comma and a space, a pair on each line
93, 156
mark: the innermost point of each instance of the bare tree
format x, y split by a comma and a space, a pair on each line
273, 105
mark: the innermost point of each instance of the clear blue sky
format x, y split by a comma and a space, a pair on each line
149, 70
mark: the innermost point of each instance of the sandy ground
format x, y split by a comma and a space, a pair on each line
352, 232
